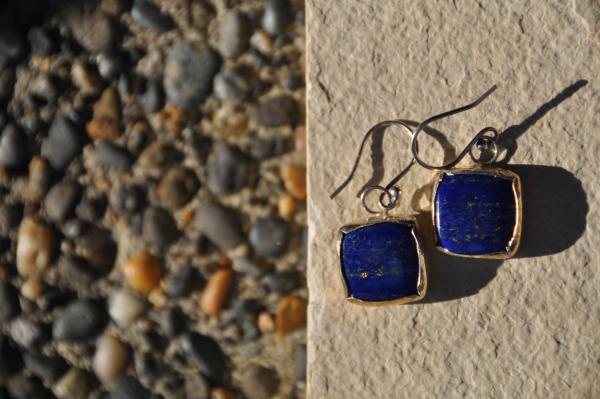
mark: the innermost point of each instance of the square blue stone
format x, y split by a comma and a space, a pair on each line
475, 213
380, 261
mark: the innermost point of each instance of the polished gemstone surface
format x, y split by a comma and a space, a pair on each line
380, 262
475, 213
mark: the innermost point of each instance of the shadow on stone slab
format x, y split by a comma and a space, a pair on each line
555, 210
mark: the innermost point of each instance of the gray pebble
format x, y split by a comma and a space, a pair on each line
110, 65
300, 362
183, 282
27, 333
153, 99
234, 34
278, 111
149, 15
64, 143
27, 387
245, 311
10, 216
265, 148
128, 387
259, 382
277, 16
110, 156
13, 147
75, 269
283, 282
189, 74
206, 354
229, 170
221, 225
9, 302
127, 198
158, 227
81, 320
61, 200
173, 321
97, 247
249, 267
270, 236
95, 31
40, 41
230, 86
47, 368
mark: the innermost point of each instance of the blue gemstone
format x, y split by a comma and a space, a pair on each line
475, 213
380, 261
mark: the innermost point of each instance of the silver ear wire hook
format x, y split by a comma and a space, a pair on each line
389, 193
482, 139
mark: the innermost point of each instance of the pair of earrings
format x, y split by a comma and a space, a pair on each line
477, 212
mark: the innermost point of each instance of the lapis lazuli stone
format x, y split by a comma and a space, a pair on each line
380, 261
475, 213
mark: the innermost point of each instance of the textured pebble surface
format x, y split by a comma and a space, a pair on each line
524, 327
141, 144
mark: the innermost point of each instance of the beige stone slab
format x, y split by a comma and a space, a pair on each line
527, 327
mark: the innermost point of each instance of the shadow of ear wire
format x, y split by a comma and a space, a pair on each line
377, 152
508, 138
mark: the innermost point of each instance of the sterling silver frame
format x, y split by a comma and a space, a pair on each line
515, 240
422, 278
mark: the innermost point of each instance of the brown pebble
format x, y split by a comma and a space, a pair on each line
286, 205
32, 289
294, 179
171, 119
266, 322
177, 187
300, 141
35, 243
223, 393
110, 359
73, 384
85, 78
158, 298
291, 314
216, 292
143, 272
39, 179
106, 122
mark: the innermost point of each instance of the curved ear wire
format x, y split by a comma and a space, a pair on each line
482, 140
380, 125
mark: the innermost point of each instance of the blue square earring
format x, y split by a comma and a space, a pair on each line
477, 212
381, 260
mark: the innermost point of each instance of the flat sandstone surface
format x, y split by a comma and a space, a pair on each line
526, 327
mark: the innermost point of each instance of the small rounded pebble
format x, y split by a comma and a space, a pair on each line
206, 354
106, 122
111, 156
266, 148
153, 99
286, 205
32, 288
86, 78
81, 320
158, 298
9, 302
75, 384
177, 187
47, 368
229, 170
266, 322
277, 16
270, 236
110, 359
277, 111
35, 244
14, 151
158, 227
300, 362
125, 308
196, 387
234, 34
283, 282
221, 225
28, 333
259, 382
294, 179
291, 314
189, 73
216, 291
23, 386
95, 31
173, 321
64, 143
127, 387
223, 393
143, 272
230, 86
110, 65
127, 198
183, 282
61, 200
149, 15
